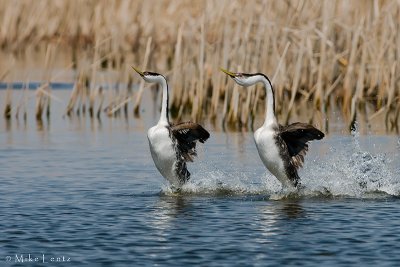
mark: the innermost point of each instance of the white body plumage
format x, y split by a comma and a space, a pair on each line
163, 153
268, 151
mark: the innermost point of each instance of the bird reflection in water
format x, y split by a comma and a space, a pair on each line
291, 210
273, 214
174, 205
167, 209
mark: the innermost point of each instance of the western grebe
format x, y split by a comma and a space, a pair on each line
171, 146
281, 148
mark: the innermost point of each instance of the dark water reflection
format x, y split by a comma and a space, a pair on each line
292, 210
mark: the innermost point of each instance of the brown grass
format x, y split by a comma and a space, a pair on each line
342, 53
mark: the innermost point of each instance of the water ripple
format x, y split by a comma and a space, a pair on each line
98, 208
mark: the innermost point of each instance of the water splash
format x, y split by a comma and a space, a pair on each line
221, 183
348, 170
345, 170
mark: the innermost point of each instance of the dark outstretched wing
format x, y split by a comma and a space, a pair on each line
296, 136
186, 134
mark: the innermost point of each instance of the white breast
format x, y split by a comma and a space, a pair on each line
163, 153
269, 153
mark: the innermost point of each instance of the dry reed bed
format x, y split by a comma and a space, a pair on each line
319, 53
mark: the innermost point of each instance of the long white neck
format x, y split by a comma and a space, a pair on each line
270, 118
164, 118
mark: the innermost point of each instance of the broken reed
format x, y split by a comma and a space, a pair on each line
330, 53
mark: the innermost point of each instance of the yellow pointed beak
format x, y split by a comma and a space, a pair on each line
231, 74
138, 71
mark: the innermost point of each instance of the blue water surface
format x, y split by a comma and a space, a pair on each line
78, 192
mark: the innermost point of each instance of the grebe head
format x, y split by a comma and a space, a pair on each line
150, 77
245, 79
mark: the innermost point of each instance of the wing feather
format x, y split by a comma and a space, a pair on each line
296, 137
186, 135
